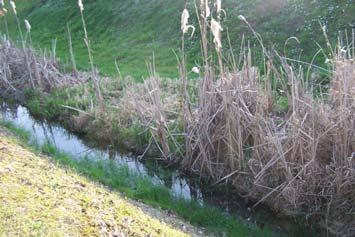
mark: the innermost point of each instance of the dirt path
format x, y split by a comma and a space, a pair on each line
40, 198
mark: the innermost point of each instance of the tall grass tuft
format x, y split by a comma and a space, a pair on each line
95, 77
71, 51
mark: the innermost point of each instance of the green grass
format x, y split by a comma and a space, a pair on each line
48, 107
130, 31
138, 187
20, 133
118, 31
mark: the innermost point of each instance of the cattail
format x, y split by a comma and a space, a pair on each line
219, 6
184, 22
204, 5
195, 70
208, 10
216, 31
13, 6
28, 26
81, 6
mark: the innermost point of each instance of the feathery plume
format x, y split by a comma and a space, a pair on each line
216, 31
28, 26
204, 5
195, 70
208, 10
13, 6
81, 6
3, 11
219, 6
184, 22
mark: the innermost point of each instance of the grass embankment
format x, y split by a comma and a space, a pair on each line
41, 198
130, 31
53, 184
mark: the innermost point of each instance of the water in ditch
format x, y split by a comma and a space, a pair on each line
179, 184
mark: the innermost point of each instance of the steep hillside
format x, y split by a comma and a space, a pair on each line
130, 31
125, 31
41, 198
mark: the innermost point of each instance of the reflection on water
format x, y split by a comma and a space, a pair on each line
43, 132
180, 185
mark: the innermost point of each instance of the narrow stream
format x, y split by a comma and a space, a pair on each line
179, 184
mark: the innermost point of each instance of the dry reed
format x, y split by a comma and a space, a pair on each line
15, 76
302, 162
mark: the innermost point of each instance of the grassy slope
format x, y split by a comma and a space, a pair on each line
139, 188
129, 31
119, 30
39, 198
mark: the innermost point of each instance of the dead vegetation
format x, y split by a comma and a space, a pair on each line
299, 163
23, 68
